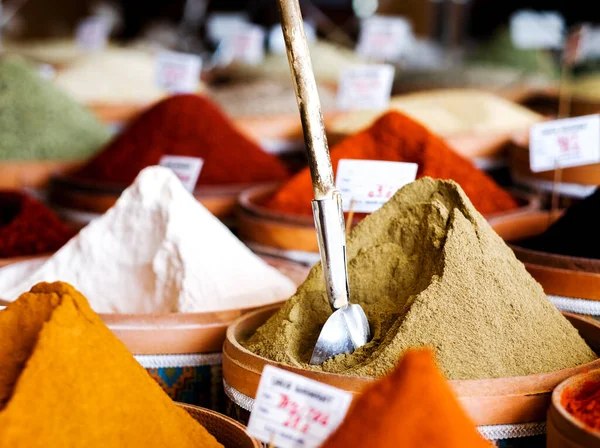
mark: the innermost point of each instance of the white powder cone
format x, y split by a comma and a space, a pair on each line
158, 250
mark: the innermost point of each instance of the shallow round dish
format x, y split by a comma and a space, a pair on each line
32, 174
564, 430
488, 402
293, 236
227, 431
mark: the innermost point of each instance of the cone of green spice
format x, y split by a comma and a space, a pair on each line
38, 121
429, 271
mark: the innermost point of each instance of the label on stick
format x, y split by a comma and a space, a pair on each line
564, 143
92, 33
221, 25
530, 30
246, 44
365, 87
178, 72
384, 38
292, 411
366, 185
187, 169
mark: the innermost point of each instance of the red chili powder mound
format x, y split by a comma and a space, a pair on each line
584, 403
184, 125
28, 227
396, 137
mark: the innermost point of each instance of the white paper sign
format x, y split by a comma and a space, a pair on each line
589, 43
245, 44
365, 87
530, 30
187, 169
220, 25
366, 185
277, 42
292, 411
384, 38
564, 143
178, 72
92, 33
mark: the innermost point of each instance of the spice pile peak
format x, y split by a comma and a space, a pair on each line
158, 250
67, 381
429, 270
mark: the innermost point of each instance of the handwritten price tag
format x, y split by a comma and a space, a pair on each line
371, 183
530, 30
245, 44
384, 38
221, 25
187, 169
366, 87
178, 72
92, 33
291, 410
564, 143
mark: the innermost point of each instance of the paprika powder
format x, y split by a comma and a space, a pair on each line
184, 125
584, 403
28, 227
411, 407
398, 138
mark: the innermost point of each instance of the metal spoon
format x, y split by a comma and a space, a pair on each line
347, 328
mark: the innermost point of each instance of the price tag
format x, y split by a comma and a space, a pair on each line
220, 25
292, 411
365, 87
178, 72
589, 42
277, 42
384, 38
92, 33
187, 169
564, 143
371, 183
246, 44
530, 30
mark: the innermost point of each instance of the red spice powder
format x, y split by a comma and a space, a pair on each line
396, 137
28, 227
584, 403
184, 125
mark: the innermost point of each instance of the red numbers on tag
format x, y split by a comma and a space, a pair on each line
300, 419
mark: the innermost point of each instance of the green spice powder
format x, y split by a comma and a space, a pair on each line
40, 122
429, 271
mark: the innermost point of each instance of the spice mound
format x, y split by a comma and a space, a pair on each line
584, 403
158, 250
412, 406
396, 137
184, 125
574, 234
28, 227
39, 121
429, 271
66, 380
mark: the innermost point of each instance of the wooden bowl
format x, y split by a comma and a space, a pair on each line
546, 103
32, 174
227, 431
93, 197
488, 402
116, 113
293, 236
564, 430
559, 275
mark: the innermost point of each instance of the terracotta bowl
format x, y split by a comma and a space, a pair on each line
32, 174
488, 402
116, 113
227, 431
564, 430
293, 236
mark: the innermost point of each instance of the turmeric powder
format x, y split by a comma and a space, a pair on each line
413, 407
67, 381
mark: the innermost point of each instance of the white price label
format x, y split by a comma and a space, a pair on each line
92, 33
564, 143
384, 38
246, 44
530, 30
292, 411
365, 87
277, 42
187, 169
589, 42
366, 185
178, 72
220, 25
